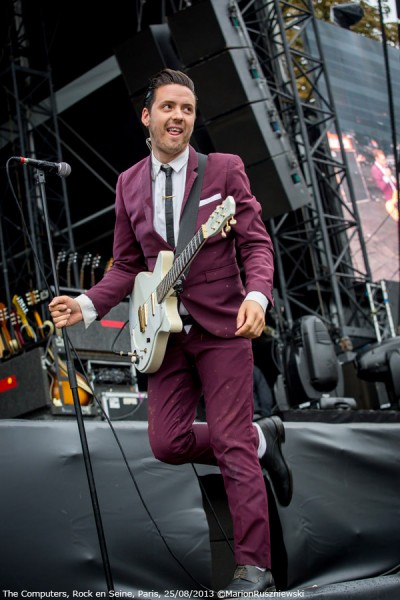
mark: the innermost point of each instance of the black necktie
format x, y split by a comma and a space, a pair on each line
169, 209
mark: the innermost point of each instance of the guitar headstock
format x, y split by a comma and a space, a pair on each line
34, 297
3, 313
61, 257
20, 306
96, 261
95, 265
72, 259
221, 219
86, 260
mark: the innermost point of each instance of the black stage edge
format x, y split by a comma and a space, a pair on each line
339, 538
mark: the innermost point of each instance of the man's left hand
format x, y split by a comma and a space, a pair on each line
250, 320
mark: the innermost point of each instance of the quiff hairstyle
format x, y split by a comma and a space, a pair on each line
166, 77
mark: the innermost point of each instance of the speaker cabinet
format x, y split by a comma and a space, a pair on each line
153, 43
236, 103
24, 384
276, 186
204, 29
271, 166
224, 83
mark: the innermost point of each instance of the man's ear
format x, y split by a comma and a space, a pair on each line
145, 117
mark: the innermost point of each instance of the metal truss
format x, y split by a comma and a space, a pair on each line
31, 130
321, 259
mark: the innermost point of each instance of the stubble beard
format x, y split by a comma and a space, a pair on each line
169, 147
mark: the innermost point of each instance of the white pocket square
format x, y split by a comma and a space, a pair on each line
210, 199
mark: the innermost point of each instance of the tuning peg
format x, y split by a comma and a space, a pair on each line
233, 221
228, 228
223, 233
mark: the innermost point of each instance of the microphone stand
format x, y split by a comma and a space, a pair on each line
40, 179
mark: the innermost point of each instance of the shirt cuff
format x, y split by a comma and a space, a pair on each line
258, 297
88, 310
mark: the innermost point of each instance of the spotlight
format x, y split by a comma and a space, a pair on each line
381, 362
346, 15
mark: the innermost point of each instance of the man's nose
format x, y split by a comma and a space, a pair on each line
177, 113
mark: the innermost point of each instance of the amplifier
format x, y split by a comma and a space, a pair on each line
123, 404
24, 384
107, 335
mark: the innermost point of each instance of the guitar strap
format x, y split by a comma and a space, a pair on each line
189, 216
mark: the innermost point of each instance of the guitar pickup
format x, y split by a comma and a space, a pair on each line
143, 317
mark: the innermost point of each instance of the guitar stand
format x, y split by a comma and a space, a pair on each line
40, 179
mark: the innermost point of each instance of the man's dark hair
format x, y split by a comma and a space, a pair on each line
166, 77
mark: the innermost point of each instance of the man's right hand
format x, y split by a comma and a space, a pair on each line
65, 311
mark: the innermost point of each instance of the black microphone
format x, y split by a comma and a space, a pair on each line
61, 169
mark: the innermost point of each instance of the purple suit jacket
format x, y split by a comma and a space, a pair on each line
213, 290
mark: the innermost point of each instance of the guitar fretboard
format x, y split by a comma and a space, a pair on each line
180, 265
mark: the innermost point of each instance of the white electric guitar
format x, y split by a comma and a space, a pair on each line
153, 304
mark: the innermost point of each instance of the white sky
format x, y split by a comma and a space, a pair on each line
393, 12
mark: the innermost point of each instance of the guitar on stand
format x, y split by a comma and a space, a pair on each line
95, 265
72, 259
33, 299
27, 331
60, 389
9, 345
86, 262
61, 258
15, 322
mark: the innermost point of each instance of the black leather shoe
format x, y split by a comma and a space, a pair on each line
273, 461
248, 579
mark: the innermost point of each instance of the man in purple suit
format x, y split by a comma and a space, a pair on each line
212, 354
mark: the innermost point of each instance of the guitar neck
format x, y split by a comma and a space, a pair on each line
180, 265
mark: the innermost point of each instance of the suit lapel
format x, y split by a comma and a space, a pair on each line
145, 190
